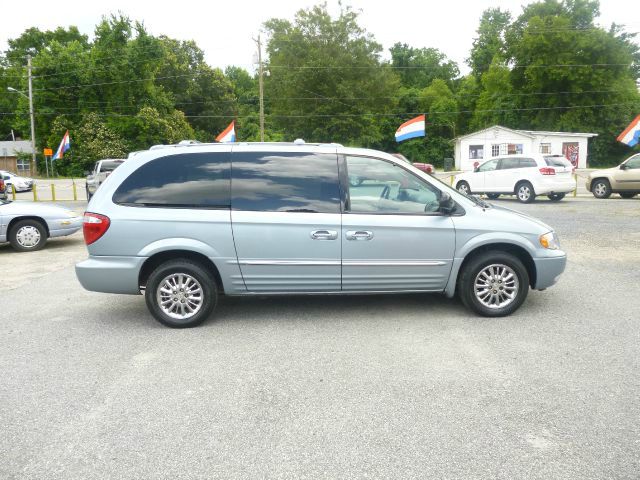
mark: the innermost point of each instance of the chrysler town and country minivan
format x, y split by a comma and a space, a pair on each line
185, 224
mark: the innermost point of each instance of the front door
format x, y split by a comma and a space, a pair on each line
393, 238
286, 219
629, 177
482, 180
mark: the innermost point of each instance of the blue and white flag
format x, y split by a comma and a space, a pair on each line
631, 134
411, 129
65, 145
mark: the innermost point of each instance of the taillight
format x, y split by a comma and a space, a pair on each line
548, 171
94, 226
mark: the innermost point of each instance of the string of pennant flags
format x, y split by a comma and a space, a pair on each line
413, 128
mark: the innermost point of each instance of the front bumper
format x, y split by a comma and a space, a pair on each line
549, 269
110, 274
65, 226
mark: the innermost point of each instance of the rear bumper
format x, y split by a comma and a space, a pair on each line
560, 187
110, 274
548, 270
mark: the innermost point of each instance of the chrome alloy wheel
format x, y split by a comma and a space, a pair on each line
28, 236
496, 286
600, 189
179, 296
524, 193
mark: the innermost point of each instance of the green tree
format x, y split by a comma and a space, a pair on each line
418, 67
490, 41
326, 79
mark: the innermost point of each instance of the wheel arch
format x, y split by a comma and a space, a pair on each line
600, 177
518, 250
35, 218
158, 258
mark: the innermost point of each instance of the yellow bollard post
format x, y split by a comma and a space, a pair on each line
13, 193
35, 193
53, 192
575, 192
75, 191
451, 180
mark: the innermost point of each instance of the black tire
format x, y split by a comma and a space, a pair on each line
628, 195
601, 188
472, 270
28, 235
463, 187
556, 197
492, 196
181, 266
525, 192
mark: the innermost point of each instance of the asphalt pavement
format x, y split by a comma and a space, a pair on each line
408, 386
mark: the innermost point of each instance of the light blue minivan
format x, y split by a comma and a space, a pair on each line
184, 224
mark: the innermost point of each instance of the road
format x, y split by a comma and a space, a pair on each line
409, 386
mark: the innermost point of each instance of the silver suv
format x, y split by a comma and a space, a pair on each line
185, 224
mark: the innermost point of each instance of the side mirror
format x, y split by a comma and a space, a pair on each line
475, 169
623, 166
446, 204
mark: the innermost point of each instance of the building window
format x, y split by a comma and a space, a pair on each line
23, 165
514, 148
476, 152
495, 150
545, 148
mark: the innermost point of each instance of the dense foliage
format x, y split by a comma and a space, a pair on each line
326, 80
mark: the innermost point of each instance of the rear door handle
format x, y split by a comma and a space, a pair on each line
359, 235
324, 234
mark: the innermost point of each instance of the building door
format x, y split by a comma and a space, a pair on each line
571, 151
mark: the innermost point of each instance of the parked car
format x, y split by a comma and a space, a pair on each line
425, 167
12, 180
186, 224
28, 225
623, 179
525, 176
101, 170
3, 190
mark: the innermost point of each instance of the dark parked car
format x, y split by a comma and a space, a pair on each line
3, 190
425, 167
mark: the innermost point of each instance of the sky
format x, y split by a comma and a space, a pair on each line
224, 30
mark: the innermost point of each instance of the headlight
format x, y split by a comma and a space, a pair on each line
550, 241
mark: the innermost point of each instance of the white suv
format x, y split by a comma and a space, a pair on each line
525, 176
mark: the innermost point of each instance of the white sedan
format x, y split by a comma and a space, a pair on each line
28, 225
524, 176
11, 180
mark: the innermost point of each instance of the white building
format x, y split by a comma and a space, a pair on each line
497, 141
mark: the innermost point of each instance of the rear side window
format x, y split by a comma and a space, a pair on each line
285, 182
509, 163
527, 162
190, 180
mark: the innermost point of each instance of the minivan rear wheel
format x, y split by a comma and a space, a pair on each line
181, 293
493, 284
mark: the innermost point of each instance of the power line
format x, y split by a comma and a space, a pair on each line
348, 115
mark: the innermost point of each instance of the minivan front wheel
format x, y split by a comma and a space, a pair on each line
494, 284
181, 293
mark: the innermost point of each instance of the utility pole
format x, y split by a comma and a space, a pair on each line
261, 87
33, 122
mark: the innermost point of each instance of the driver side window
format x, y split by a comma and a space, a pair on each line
633, 162
377, 186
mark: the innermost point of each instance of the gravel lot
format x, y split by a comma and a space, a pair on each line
408, 386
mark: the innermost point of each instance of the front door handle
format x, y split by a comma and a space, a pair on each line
359, 235
324, 235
